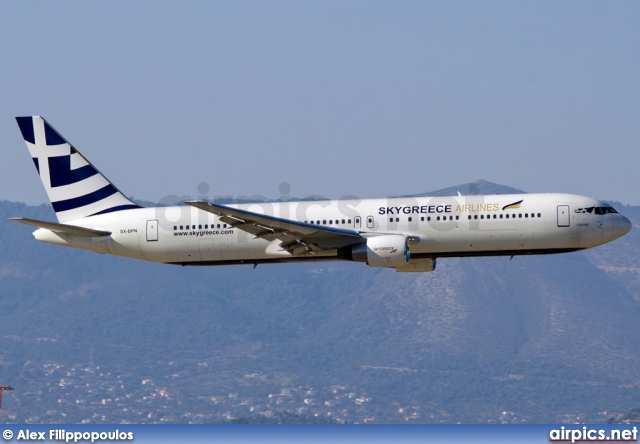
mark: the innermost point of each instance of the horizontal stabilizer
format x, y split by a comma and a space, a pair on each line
71, 230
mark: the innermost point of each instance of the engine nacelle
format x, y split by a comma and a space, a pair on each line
389, 250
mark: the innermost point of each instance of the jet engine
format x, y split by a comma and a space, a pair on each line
389, 250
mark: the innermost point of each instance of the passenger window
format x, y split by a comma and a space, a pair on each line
482, 216
469, 217
475, 216
539, 215
391, 219
520, 215
457, 217
342, 221
501, 216
422, 219
526, 214
409, 219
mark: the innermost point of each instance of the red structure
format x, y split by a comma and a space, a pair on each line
2, 389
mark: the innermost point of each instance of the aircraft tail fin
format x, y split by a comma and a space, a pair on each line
75, 187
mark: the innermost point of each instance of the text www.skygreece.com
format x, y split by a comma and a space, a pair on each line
586, 434
202, 233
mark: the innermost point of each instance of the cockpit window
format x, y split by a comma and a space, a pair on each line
604, 210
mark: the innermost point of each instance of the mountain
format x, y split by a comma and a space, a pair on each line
473, 188
100, 339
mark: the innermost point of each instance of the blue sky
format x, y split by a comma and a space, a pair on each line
365, 98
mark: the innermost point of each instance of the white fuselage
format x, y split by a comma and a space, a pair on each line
437, 227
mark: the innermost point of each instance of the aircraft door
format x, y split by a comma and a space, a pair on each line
152, 230
369, 221
563, 215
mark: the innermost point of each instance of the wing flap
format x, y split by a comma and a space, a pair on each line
296, 237
71, 230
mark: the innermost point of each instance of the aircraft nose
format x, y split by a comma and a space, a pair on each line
624, 226
616, 227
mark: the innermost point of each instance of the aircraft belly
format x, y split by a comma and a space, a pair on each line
488, 236
235, 246
241, 246
498, 239
169, 249
440, 237
210, 249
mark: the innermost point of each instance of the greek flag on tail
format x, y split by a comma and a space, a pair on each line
75, 188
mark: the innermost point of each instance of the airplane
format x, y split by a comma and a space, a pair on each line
407, 234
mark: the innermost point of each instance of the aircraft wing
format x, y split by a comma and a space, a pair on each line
296, 237
71, 230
